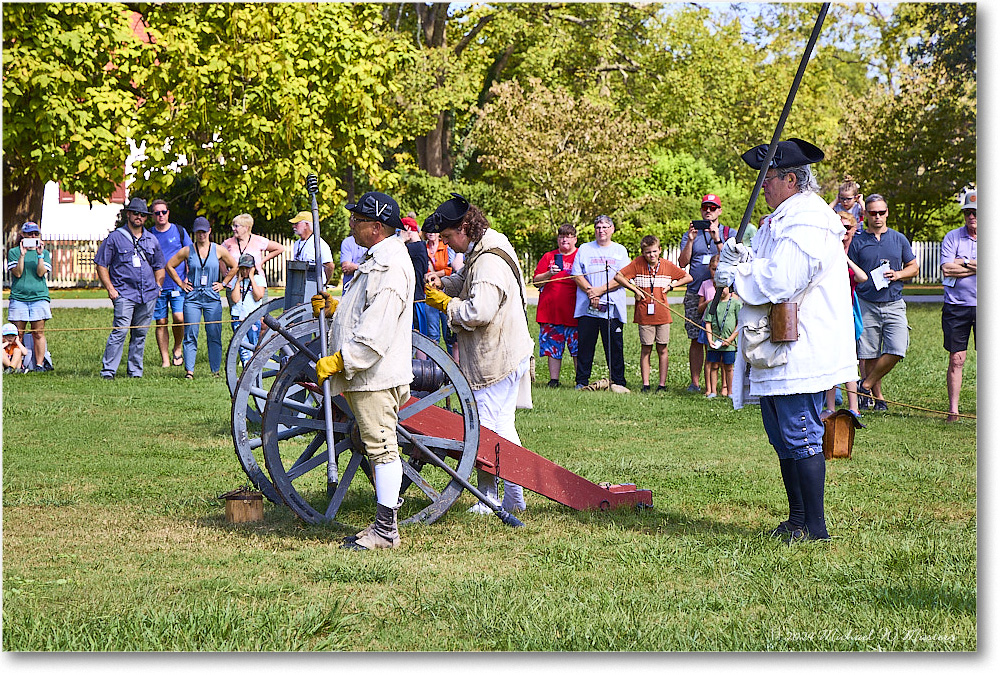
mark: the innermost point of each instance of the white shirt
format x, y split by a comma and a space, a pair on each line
801, 243
305, 250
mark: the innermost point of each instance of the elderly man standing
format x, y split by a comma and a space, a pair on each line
886, 257
304, 250
130, 266
958, 316
600, 305
484, 303
797, 257
370, 354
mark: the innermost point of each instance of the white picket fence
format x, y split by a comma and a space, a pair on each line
73, 262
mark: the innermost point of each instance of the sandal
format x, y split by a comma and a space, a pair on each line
178, 360
189, 375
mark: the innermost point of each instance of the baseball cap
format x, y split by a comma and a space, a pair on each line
377, 206
247, 260
449, 214
9, 329
793, 152
300, 216
410, 224
201, 224
711, 199
32, 226
969, 200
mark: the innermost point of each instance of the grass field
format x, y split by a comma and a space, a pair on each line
114, 539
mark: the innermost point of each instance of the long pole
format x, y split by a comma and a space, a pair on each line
773, 146
332, 475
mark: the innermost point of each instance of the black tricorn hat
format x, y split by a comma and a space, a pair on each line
793, 152
447, 215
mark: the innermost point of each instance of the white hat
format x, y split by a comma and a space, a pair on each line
9, 329
969, 200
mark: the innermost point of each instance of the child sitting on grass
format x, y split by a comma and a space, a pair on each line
13, 351
720, 331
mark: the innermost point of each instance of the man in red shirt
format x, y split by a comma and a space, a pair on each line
557, 325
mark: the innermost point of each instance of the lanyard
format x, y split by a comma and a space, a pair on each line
135, 243
653, 274
302, 246
245, 285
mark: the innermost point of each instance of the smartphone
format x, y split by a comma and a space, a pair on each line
701, 224
559, 260
30, 242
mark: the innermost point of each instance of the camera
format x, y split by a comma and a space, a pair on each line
30, 242
701, 224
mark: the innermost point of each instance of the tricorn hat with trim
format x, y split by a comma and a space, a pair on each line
447, 215
793, 152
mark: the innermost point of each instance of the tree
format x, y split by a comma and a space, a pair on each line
71, 79
252, 98
565, 155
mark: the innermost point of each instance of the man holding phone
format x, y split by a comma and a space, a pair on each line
703, 240
557, 327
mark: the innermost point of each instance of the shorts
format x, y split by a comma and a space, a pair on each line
29, 311
650, 333
885, 329
176, 303
715, 356
691, 313
553, 339
957, 321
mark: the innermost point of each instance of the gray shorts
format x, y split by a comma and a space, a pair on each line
885, 329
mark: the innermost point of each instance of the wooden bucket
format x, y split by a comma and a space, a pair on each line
244, 505
838, 434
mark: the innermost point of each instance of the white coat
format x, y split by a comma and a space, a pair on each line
801, 243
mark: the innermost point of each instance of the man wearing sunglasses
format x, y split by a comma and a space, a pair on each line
886, 256
172, 238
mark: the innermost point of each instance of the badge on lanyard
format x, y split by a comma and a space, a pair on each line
650, 308
136, 260
204, 280
706, 259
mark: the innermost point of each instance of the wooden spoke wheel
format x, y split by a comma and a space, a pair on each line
250, 394
296, 458
241, 350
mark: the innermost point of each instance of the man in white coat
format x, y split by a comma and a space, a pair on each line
370, 354
798, 257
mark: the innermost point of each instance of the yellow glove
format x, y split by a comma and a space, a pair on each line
328, 365
436, 298
324, 301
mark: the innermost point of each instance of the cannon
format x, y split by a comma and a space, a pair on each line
291, 444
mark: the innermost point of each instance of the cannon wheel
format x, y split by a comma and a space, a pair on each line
250, 392
297, 464
234, 364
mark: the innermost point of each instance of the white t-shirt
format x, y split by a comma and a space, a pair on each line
247, 303
305, 250
600, 264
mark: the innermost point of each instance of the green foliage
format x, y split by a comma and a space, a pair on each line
72, 75
251, 98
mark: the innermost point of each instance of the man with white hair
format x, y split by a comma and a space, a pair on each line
797, 257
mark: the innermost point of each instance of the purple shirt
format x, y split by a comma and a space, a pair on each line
958, 244
171, 241
351, 251
116, 252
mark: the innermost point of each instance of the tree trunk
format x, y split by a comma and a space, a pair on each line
22, 203
432, 149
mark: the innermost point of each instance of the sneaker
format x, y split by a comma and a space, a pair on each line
580, 386
693, 388
661, 388
108, 376
619, 389
864, 398
881, 406
645, 389
712, 395
553, 384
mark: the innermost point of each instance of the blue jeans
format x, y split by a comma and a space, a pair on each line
128, 313
252, 337
211, 309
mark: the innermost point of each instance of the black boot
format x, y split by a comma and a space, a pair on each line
796, 511
812, 476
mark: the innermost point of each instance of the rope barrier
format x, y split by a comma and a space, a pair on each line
44, 330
